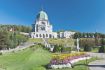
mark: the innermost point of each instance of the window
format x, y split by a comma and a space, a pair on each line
40, 35
36, 35
46, 35
50, 36
43, 23
43, 36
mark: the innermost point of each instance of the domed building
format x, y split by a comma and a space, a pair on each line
42, 27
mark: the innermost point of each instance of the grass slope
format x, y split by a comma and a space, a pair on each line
33, 59
29, 59
69, 42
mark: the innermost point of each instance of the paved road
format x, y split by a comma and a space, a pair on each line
100, 55
98, 64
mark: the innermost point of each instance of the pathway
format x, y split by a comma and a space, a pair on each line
20, 47
98, 64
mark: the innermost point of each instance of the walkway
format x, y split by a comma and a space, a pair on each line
98, 64
20, 47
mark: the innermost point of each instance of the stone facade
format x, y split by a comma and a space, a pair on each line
42, 27
66, 34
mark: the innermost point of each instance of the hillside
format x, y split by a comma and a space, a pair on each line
69, 42
28, 59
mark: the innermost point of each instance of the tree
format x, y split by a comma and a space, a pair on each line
77, 35
11, 39
57, 48
102, 48
87, 44
19, 28
4, 40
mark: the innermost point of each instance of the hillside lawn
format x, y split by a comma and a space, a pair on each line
34, 58
69, 42
29, 59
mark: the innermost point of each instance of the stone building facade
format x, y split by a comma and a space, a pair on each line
42, 27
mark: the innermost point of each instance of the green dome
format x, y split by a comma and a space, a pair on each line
42, 16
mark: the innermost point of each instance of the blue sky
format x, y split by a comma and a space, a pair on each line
79, 15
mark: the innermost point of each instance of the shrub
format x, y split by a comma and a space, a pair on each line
0, 53
66, 49
57, 48
102, 49
13, 51
87, 48
87, 44
32, 46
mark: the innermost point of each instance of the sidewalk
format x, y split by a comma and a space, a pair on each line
97, 65
20, 47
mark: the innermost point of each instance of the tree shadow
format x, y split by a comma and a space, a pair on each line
96, 66
46, 66
73, 65
89, 65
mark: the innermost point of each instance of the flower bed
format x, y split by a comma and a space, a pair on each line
66, 60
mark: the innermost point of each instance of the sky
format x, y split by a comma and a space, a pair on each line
78, 15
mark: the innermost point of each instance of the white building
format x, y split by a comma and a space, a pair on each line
66, 34
42, 27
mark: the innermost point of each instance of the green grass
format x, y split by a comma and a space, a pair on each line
95, 50
29, 59
64, 41
69, 42
37, 40
34, 58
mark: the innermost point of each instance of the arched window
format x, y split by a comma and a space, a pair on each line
50, 36
46, 35
36, 35
40, 35
53, 36
43, 36
43, 23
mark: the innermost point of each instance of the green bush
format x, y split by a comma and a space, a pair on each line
11, 39
87, 48
102, 49
0, 53
57, 48
32, 46
60, 48
87, 43
66, 49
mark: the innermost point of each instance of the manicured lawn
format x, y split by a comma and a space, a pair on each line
29, 59
34, 58
37, 40
69, 42
95, 50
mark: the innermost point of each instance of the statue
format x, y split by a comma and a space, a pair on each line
78, 44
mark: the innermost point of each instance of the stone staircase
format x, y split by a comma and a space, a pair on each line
47, 45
